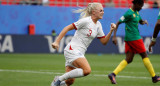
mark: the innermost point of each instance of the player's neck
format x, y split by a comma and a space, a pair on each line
94, 19
133, 8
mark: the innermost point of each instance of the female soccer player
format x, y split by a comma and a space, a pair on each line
87, 28
133, 41
155, 33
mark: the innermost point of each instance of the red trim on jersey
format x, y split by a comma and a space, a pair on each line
74, 26
136, 46
70, 48
101, 37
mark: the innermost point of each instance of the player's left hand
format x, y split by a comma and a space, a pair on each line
145, 22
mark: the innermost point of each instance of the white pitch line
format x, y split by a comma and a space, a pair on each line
27, 71
124, 76
101, 75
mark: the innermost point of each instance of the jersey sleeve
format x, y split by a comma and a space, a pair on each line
159, 14
140, 18
125, 17
79, 24
100, 32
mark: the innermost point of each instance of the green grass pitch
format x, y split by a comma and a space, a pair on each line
40, 69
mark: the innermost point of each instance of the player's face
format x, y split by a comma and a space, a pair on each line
139, 7
99, 12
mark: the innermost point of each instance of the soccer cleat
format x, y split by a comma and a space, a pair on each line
112, 78
155, 79
56, 81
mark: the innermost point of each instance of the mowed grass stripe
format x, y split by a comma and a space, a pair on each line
39, 72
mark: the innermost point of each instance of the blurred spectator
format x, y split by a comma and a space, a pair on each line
158, 1
25, 2
45, 2
146, 5
155, 4
36, 2
54, 33
110, 3
31, 2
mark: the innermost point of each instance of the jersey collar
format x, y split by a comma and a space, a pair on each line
134, 11
131, 9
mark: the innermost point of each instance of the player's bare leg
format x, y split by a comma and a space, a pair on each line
83, 64
83, 69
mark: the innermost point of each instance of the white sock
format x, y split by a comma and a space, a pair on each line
63, 83
78, 72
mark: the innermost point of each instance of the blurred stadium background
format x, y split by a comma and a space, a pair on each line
113, 3
28, 27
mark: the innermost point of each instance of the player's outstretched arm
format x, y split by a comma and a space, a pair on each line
142, 22
105, 40
114, 39
55, 44
155, 33
156, 29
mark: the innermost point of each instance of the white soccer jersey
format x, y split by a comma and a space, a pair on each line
86, 31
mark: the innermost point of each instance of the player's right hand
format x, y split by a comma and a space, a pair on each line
150, 46
113, 26
114, 40
55, 45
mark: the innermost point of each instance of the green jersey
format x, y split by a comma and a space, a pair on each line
159, 14
131, 19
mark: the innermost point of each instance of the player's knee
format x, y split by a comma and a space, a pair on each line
87, 71
70, 82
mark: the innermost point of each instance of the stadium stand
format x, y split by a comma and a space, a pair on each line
9, 2
74, 3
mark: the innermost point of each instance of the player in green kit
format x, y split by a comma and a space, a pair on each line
155, 33
133, 41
